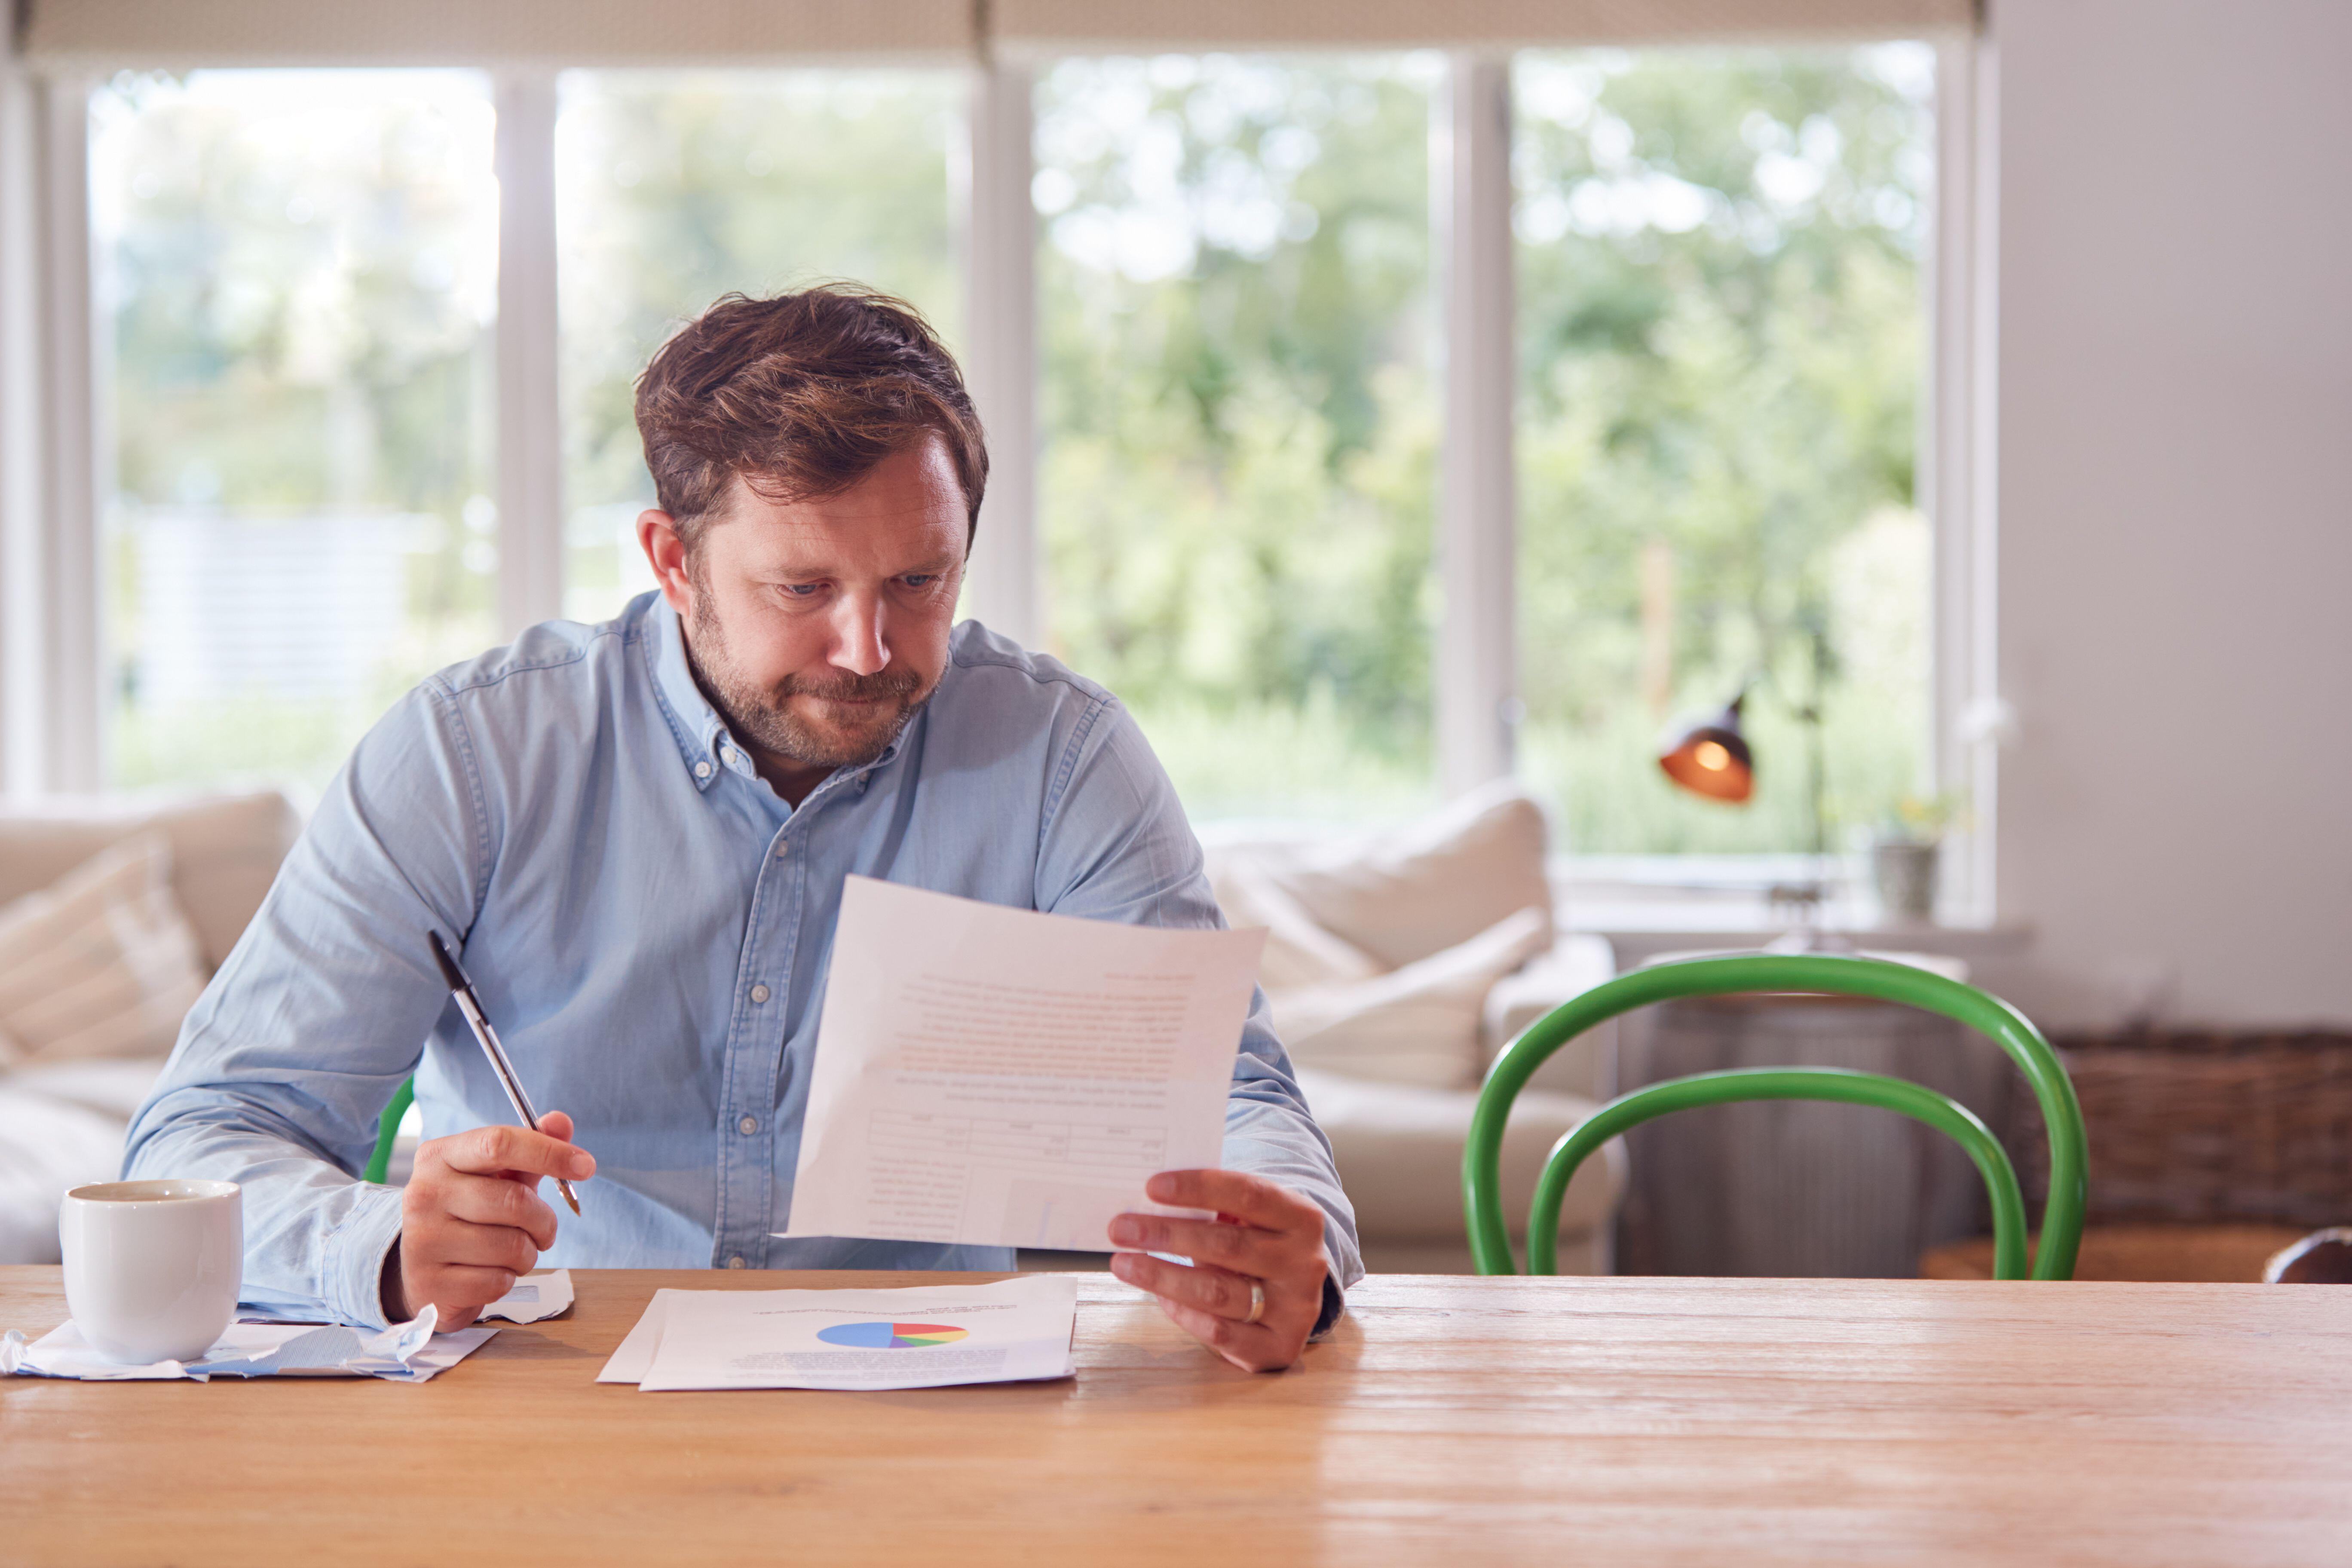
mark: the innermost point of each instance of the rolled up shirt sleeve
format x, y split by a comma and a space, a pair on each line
1116, 846
284, 1067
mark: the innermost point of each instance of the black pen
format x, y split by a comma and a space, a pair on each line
471, 1005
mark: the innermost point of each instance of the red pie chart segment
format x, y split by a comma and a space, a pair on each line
890, 1336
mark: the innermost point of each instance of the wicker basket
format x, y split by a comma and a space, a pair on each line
2208, 1129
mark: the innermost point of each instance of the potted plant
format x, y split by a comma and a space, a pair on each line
1905, 855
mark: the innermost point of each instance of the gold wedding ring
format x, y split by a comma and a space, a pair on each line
1257, 1301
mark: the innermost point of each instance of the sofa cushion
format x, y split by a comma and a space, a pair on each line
46, 1148
1403, 895
225, 850
101, 964
61, 1125
1399, 1152
1416, 1024
1299, 952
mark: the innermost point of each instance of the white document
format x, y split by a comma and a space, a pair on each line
635, 1354
405, 1352
1007, 1079
925, 1336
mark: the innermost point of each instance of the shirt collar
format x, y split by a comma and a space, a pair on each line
703, 740
696, 723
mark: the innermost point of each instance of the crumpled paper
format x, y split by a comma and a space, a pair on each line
405, 1352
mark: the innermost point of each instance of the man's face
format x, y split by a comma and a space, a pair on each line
818, 628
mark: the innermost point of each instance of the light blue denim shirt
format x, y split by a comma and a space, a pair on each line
649, 925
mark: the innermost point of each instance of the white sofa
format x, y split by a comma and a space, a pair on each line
1399, 1144
62, 1121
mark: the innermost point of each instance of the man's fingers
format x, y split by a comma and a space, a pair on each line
1210, 1289
462, 1290
1265, 1235
483, 1201
497, 1151
1244, 1250
471, 1217
1253, 1200
456, 1244
1252, 1347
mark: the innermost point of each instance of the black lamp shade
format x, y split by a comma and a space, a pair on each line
1710, 757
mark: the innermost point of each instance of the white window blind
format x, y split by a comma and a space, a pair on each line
1132, 25
187, 33
183, 33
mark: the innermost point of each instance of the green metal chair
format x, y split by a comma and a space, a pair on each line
2062, 1214
379, 1164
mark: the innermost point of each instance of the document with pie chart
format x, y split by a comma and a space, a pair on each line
922, 1336
1001, 1077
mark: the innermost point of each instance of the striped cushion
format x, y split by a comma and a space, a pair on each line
100, 964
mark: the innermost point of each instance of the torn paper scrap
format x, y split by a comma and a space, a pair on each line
405, 1352
535, 1297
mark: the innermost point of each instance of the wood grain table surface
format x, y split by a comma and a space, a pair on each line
1446, 1420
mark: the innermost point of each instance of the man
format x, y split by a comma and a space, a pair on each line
638, 832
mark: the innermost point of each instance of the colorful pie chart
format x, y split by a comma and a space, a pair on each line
890, 1336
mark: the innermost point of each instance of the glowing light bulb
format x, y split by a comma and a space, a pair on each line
1711, 755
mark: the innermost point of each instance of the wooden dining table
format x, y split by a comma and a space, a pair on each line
1444, 1420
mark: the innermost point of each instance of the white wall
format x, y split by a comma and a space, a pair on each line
2175, 396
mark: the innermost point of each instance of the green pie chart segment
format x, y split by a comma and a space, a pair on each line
890, 1336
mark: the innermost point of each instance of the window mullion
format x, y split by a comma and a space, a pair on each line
1000, 255
20, 433
1470, 180
530, 437
55, 692
1955, 485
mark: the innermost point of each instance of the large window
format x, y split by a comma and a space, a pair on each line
675, 188
1243, 272
297, 271
1241, 433
1719, 259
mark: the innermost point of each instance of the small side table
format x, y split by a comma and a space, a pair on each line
2175, 1254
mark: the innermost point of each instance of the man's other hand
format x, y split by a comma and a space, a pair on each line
471, 1218
1264, 1233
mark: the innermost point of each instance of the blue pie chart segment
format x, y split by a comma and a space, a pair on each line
890, 1336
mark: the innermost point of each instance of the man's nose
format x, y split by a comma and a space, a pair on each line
858, 633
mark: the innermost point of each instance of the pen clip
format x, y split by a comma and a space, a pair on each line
449, 970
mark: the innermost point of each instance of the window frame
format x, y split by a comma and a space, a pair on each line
53, 404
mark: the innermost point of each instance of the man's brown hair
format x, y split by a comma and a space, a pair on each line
803, 396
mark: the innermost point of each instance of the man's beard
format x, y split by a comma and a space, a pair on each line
761, 714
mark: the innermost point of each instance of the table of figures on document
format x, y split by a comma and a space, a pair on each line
1033, 1173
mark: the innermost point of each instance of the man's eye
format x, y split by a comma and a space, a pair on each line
920, 579
802, 590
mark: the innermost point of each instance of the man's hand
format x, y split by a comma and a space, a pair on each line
1262, 1232
471, 1218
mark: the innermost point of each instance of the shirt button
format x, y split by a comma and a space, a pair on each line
702, 770
727, 755
783, 849
735, 1261
748, 1126
758, 994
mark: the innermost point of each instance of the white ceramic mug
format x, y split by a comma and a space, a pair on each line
153, 1268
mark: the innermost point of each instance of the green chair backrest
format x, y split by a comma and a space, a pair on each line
387, 1129
1829, 973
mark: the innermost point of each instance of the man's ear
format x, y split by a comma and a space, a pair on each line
666, 553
